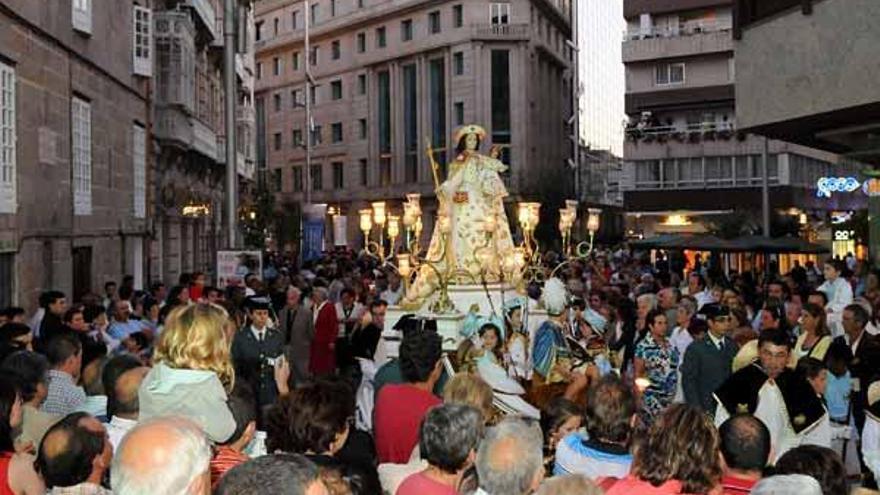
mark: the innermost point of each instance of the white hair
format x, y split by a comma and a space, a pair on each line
555, 296
186, 458
509, 457
651, 298
788, 484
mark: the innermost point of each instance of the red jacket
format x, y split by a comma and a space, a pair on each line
323, 352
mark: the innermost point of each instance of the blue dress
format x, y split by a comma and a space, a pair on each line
661, 365
550, 346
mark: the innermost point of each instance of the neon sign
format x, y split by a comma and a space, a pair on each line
828, 185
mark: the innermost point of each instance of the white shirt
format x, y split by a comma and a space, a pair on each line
681, 339
772, 412
117, 428
356, 312
840, 295
703, 298
392, 297
854, 344
96, 405
259, 334
717, 342
871, 445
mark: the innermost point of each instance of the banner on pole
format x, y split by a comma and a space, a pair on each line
313, 231
340, 230
234, 265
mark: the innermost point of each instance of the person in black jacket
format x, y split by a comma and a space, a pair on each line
707, 362
862, 351
255, 351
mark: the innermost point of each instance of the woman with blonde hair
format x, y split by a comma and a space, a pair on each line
193, 371
815, 338
469, 389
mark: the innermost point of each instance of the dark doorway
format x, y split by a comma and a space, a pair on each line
82, 272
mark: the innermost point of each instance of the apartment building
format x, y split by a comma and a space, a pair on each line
108, 128
686, 159
391, 76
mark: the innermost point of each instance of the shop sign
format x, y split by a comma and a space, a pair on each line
826, 186
844, 235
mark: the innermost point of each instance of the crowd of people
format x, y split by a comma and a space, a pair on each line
647, 374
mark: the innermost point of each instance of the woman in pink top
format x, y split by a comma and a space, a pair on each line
448, 439
681, 454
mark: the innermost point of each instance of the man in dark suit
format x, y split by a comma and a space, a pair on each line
298, 327
255, 351
707, 362
863, 355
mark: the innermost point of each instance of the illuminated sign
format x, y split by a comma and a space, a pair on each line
844, 235
871, 187
828, 185
838, 217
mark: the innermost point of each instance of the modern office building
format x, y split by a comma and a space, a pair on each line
390, 76
807, 73
108, 128
686, 159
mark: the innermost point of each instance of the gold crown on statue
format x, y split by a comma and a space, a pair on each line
469, 129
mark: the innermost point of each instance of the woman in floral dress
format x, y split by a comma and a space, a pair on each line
655, 364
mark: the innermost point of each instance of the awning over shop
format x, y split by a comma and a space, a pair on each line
740, 244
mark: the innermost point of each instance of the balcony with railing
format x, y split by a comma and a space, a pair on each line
686, 39
693, 132
501, 32
205, 13
245, 114
174, 125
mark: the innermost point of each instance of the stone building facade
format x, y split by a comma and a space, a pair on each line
74, 147
391, 76
189, 105
84, 163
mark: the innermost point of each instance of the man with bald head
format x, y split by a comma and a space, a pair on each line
74, 456
510, 459
124, 399
163, 456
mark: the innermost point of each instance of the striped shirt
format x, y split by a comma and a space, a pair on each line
576, 454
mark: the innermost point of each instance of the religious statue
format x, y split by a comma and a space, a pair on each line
471, 237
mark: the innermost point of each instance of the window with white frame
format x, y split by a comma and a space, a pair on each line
499, 13
669, 74
8, 198
143, 41
81, 125
139, 159
81, 15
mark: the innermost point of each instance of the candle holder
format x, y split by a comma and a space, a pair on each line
377, 216
584, 249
